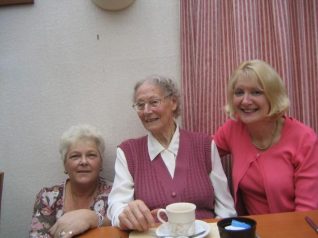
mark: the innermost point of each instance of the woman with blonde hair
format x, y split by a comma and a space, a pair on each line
274, 157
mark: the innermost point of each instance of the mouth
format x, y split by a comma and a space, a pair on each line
248, 110
149, 120
83, 171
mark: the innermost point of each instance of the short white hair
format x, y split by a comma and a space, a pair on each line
79, 132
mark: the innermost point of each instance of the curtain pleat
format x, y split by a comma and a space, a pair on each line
217, 35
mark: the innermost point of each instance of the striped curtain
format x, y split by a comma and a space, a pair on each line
217, 35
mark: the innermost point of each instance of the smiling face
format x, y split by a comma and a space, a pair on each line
249, 101
157, 119
83, 162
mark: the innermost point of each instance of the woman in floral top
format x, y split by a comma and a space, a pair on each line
80, 203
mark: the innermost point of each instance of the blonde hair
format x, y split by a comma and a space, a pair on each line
270, 81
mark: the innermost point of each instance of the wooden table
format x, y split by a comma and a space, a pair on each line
278, 225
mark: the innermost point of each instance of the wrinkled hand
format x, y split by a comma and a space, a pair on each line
73, 223
136, 216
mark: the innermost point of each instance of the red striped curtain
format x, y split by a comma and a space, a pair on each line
217, 35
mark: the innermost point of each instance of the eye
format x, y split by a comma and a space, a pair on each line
238, 92
92, 155
74, 156
140, 105
154, 102
257, 92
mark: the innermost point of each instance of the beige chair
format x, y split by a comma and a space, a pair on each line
1, 187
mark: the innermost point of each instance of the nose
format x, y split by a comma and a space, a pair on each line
148, 108
246, 98
83, 160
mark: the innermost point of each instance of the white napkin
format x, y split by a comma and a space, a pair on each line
214, 232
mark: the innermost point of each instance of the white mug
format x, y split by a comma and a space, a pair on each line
181, 218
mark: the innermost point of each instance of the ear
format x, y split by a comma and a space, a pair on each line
174, 103
65, 170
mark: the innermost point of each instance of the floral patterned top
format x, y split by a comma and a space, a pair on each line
49, 206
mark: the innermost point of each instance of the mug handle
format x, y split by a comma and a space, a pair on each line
161, 210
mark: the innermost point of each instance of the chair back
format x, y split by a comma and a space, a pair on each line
1, 187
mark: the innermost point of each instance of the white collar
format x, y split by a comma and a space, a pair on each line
155, 148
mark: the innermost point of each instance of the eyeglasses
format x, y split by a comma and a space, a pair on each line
152, 103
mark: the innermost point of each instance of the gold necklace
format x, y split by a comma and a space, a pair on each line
271, 141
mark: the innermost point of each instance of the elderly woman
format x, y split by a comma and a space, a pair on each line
168, 165
275, 164
80, 203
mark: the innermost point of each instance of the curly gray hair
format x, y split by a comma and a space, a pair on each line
168, 87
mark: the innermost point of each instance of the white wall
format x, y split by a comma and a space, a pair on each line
55, 72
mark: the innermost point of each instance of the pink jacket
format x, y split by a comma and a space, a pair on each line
289, 168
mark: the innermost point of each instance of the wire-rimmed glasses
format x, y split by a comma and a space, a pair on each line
152, 103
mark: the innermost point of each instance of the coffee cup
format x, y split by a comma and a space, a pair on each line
181, 218
237, 227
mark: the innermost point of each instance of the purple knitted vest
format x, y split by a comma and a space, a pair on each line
191, 182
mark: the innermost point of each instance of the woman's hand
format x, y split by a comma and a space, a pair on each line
73, 223
136, 216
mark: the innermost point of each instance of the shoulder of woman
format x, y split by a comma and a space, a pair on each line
53, 189
132, 141
230, 126
105, 185
299, 128
50, 195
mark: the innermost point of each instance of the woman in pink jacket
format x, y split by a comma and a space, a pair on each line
274, 157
